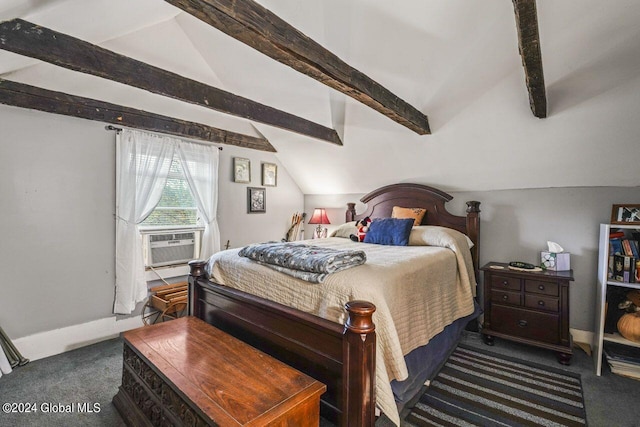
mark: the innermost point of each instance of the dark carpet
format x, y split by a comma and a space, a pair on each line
477, 387
93, 373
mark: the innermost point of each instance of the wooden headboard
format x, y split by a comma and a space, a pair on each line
380, 203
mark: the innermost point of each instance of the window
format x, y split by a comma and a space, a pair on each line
144, 161
177, 207
177, 211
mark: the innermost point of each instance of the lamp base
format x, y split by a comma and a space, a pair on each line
320, 232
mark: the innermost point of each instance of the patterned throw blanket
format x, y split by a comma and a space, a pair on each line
310, 263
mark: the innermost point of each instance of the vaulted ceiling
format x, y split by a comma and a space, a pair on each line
455, 61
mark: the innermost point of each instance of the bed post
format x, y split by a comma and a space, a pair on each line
196, 272
359, 364
350, 215
473, 231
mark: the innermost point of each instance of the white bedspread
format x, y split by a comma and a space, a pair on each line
417, 291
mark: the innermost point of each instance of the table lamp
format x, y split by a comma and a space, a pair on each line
319, 217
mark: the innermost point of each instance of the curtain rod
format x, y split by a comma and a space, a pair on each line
118, 130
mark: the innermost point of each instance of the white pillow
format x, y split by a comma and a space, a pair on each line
423, 235
345, 230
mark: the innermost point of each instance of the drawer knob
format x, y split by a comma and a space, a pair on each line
505, 297
522, 323
505, 282
541, 287
541, 303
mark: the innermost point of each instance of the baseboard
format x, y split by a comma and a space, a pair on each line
583, 337
50, 343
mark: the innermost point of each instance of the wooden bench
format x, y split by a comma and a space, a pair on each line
187, 372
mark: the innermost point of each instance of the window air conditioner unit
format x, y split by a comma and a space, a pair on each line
171, 247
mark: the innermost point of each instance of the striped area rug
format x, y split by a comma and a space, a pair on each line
478, 388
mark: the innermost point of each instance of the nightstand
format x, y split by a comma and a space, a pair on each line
528, 307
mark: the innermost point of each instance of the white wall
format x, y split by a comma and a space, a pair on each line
239, 227
457, 61
516, 224
57, 187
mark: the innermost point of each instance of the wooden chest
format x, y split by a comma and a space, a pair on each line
186, 372
528, 307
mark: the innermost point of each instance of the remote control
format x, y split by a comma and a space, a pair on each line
520, 264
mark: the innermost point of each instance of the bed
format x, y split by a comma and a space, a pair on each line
342, 348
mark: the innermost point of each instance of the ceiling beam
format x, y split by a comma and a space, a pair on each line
56, 48
256, 26
529, 44
35, 98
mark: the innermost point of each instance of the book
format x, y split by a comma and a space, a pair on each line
618, 268
624, 269
626, 247
623, 365
622, 359
629, 269
616, 234
616, 246
634, 248
626, 373
622, 352
610, 267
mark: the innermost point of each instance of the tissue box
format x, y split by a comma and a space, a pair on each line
555, 261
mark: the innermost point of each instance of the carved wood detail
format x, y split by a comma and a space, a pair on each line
359, 363
159, 403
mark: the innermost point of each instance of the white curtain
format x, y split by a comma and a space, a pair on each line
200, 165
142, 166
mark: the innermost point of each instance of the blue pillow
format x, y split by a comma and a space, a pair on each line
389, 231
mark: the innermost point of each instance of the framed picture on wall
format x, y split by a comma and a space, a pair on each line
241, 170
625, 214
256, 200
269, 174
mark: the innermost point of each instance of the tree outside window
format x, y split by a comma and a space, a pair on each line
177, 207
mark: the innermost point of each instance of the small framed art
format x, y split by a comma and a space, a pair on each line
625, 214
269, 174
256, 200
241, 170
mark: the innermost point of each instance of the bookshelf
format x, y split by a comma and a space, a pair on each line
605, 283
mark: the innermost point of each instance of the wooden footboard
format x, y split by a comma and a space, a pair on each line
340, 356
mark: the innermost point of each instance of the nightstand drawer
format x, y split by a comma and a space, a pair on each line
538, 287
506, 297
541, 302
503, 282
526, 324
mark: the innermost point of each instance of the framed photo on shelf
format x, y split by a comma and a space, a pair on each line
269, 174
625, 214
256, 200
241, 170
